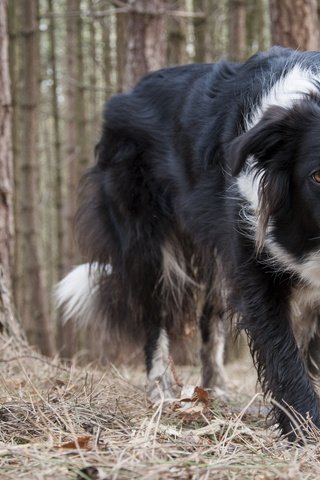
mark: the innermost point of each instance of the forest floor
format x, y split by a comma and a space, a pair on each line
65, 422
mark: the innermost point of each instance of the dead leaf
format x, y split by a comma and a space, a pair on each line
193, 400
81, 442
200, 395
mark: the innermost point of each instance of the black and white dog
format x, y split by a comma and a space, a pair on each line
207, 185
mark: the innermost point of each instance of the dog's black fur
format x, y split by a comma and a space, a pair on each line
164, 206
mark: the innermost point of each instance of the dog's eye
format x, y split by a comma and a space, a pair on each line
316, 176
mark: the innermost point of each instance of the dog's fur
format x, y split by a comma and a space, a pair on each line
205, 187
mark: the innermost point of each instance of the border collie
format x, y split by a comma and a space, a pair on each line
206, 189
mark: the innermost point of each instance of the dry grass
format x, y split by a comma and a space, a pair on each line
58, 420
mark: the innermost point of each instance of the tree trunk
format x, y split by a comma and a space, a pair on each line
176, 28
200, 31
81, 112
146, 40
237, 32
294, 23
72, 150
94, 124
217, 30
8, 323
6, 159
66, 334
121, 48
57, 145
31, 294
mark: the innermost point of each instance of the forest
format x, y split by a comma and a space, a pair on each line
63, 415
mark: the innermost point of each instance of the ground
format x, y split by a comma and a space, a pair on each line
70, 422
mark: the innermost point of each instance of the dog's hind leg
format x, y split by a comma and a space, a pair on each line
212, 349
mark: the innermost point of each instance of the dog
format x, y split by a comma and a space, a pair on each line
206, 191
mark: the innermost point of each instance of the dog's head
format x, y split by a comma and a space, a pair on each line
285, 150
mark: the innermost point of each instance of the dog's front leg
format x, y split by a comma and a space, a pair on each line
158, 364
212, 349
280, 365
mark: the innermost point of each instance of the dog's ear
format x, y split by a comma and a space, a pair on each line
261, 141
273, 144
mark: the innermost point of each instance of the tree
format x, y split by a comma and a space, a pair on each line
31, 292
6, 158
294, 23
146, 39
8, 321
57, 143
237, 30
258, 26
200, 30
176, 35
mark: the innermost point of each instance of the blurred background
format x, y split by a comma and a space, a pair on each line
65, 59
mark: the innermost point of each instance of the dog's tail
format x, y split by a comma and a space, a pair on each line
77, 295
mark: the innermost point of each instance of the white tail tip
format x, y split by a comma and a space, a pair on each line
76, 292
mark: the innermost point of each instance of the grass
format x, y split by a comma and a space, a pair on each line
66, 422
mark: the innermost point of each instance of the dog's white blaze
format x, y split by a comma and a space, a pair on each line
291, 87
159, 377
76, 292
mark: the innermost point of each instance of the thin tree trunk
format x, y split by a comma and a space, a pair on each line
32, 302
263, 24
66, 334
146, 40
122, 39
81, 112
200, 31
57, 145
176, 28
238, 37
8, 323
294, 23
72, 148
217, 31
6, 158
93, 72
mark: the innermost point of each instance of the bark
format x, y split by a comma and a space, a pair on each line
6, 157
122, 39
93, 72
72, 150
31, 294
81, 112
111, 68
217, 29
176, 28
146, 40
57, 145
8, 321
263, 22
294, 23
66, 334
200, 31
237, 32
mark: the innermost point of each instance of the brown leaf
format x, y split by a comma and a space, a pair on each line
200, 395
81, 442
